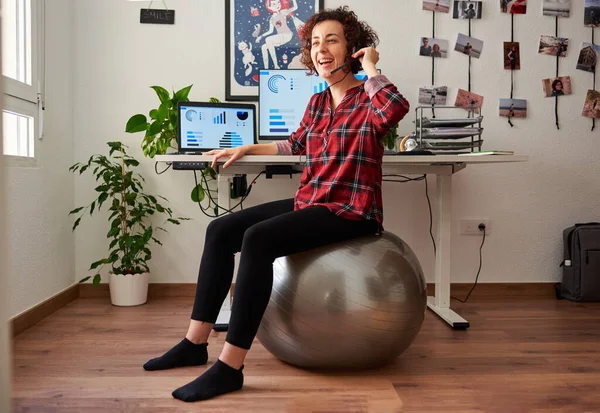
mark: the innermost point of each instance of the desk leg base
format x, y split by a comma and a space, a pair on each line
222, 323
446, 314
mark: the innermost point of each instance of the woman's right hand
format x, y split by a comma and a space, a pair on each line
233, 154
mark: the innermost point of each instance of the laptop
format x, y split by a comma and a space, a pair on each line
203, 126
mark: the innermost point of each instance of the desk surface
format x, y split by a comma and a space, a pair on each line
387, 159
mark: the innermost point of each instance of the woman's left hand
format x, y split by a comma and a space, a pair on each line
367, 55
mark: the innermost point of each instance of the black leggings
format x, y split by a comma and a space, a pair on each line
262, 234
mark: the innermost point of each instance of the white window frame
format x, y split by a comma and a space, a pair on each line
27, 99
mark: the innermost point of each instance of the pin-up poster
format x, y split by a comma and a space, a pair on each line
262, 34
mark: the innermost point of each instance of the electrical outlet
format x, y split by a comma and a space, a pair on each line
471, 226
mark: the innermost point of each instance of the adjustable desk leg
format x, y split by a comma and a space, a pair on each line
440, 303
224, 200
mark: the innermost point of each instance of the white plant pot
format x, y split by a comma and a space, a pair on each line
128, 290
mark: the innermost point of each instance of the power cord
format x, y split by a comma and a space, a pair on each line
404, 178
169, 164
419, 178
430, 217
216, 215
481, 228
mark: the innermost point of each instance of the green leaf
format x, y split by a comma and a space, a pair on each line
181, 95
131, 162
115, 223
173, 221
102, 198
154, 114
97, 280
159, 208
163, 111
147, 234
210, 171
85, 279
198, 193
157, 241
76, 210
137, 123
155, 128
216, 211
115, 146
214, 100
76, 224
102, 188
92, 207
113, 231
130, 198
162, 93
97, 264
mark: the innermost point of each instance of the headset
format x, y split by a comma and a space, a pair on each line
355, 65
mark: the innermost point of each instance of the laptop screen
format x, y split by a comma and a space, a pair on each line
204, 126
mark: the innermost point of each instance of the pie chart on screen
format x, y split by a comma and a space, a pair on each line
189, 115
242, 115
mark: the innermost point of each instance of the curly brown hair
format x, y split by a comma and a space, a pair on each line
358, 34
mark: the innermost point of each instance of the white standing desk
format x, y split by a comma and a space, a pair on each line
443, 166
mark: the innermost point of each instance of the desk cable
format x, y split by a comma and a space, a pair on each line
169, 164
481, 228
217, 206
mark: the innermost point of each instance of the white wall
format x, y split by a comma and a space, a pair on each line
39, 198
5, 364
117, 59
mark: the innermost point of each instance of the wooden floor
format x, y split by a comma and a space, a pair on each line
520, 355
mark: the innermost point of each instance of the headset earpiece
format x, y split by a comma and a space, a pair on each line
355, 66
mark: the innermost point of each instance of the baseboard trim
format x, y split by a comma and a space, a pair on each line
27, 319
499, 290
483, 290
487, 291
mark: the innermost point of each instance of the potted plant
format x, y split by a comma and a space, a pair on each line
389, 140
131, 230
160, 128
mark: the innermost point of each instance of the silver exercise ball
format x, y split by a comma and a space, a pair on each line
354, 304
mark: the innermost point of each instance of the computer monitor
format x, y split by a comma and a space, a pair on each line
282, 99
204, 126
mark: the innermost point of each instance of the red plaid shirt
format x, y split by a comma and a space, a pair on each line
344, 149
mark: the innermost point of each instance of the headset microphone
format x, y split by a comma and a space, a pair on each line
352, 60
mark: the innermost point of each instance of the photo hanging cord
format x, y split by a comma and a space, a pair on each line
512, 70
594, 79
469, 85
163, 2
556, 97
433, 67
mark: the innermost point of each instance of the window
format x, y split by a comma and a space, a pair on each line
21, 71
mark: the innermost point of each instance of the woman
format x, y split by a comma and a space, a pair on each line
339, 198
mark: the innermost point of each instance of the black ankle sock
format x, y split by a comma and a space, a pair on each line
217, 380
183, 354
